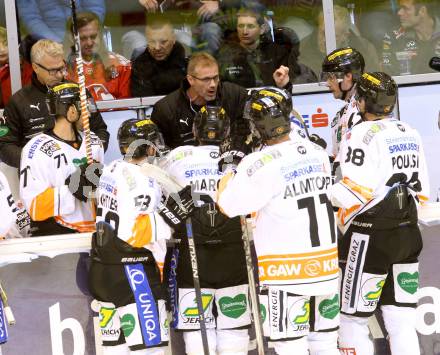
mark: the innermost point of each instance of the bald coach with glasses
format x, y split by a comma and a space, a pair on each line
174, 113
26, 114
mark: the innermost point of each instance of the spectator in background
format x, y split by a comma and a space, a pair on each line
215, 17
162, 67
253, 60
26, 114
47, 18
312, 49
408, 49
107, 73
5, 75
250, 62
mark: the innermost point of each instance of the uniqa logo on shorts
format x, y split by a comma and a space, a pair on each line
136, 277
145, 304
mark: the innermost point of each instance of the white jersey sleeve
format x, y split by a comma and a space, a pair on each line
249, 190
376, 156
16, 221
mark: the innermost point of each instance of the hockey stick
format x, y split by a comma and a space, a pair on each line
8, 311
255, 303
85, 115
172, 186
299, 117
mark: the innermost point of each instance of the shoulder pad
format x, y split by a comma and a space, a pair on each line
260, 160
372, 130
34, 144
178, 154
94, 139
49, 147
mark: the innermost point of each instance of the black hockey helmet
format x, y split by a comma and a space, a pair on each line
136, 136
61, 97
268, 118
211, 125
342, 61
283, 97
379, 91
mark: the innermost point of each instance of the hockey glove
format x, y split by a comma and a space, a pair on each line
232, 151
84, 180
318, 140
177, 208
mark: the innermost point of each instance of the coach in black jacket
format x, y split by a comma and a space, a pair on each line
174, 113
26, 114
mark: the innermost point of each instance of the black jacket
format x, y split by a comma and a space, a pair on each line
150, 77
251, 68
174, 114
26, 114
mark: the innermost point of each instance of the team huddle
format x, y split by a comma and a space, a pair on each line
335, 238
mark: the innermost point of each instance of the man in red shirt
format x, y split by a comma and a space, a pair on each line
5, 75
107, 73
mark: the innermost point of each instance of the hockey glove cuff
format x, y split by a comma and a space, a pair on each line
318, 140
84, 180
177, 208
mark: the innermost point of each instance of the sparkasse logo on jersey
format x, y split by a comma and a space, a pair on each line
316, 120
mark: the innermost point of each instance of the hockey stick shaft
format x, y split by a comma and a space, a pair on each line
170, 185
197, 288
255, 304
8, 311
85, 115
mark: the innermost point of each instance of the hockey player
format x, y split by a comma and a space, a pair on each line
220, 253
55, 178
341, 69
284, 98
16, 220
128, 248
286, 184
384, 178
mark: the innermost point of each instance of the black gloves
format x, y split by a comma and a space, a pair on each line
84, 180
232, 151
175, 212
318, 140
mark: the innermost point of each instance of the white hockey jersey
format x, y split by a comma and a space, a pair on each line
197, 166
46, 162
375, 156
344, 120
15, 219
127, 199
286, 185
